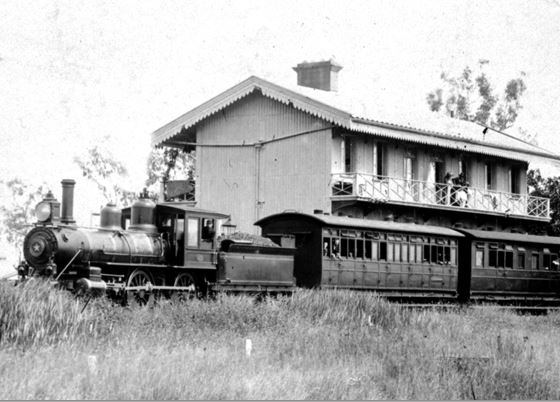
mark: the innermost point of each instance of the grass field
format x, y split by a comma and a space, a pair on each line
313, 345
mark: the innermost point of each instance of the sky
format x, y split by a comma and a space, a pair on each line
77, 74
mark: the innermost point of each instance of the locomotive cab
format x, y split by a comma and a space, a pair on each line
190, 233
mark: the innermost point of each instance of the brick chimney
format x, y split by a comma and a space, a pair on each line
318, 74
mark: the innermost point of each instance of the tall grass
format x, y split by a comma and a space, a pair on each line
34, 313
313, 345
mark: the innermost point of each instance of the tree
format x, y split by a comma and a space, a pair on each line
470, 97
548, 187
99, 166
18, 214
165, 164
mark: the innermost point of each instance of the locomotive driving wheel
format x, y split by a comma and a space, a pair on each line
142, 279
186, 280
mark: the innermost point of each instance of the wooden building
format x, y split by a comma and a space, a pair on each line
263, 148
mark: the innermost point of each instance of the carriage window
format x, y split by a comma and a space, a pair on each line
548, 261
359, 248
435, 255
534, 261
383, 251
351, 248
453, 256
344, 248
447, 255
335, 248
390, 249
493, 256
426, 253
554, 262
367, 245
509, 257
501, 258
374, 250
404, 252
479, 257
192, 232
412, 253
419, 253
520, 259
326, 246
397, 252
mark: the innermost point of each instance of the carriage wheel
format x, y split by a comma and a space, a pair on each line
186, 280
140, 278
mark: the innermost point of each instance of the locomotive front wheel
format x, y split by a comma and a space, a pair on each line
140, 278
186, 280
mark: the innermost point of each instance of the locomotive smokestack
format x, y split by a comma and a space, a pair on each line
68, 201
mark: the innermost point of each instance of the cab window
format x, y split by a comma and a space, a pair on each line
192, 232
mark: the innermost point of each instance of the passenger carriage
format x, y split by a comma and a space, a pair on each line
511, 267
396, 259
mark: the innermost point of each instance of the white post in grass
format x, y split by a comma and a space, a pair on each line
248, 347
92, 364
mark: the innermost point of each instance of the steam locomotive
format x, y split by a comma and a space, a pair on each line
168, 246
172, 246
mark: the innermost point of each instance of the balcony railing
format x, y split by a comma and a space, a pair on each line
383, 188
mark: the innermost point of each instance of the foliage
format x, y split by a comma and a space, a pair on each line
312, 345
99, 166
166, 164
17, 215
470, 96
548, 187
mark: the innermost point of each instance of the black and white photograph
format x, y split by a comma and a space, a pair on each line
279, 200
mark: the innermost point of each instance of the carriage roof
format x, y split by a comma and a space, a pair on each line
360, 223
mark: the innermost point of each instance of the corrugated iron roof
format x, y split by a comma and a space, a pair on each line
347, 222
362, 114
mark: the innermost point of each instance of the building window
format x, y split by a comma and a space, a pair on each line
408, 168
514, 176
378, 159
488, 172
347, 154
463, 169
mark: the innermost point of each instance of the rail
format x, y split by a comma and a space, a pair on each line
384, 188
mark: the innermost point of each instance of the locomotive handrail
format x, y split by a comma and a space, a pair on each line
70, 262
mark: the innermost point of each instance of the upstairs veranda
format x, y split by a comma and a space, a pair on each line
367, 187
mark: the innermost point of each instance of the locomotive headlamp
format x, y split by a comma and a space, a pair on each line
43, 211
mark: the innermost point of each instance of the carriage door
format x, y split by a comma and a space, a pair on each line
308, 267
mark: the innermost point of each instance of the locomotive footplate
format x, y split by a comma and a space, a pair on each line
244, 287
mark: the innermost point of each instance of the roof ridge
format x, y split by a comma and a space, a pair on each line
325, 106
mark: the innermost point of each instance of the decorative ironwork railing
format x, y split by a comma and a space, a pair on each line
383, 188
